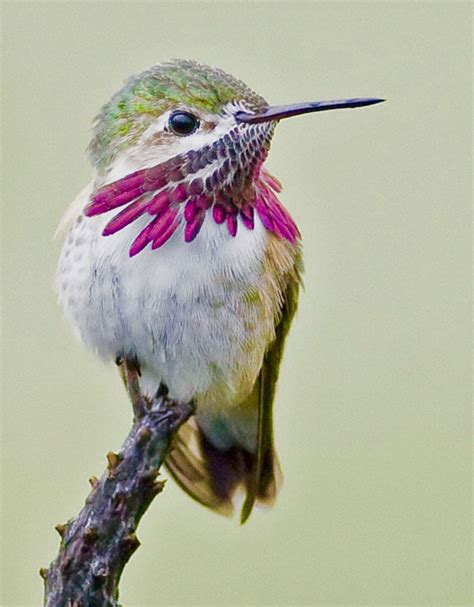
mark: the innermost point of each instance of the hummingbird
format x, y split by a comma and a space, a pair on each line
179, 259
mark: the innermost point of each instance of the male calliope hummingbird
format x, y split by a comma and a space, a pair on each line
180, 257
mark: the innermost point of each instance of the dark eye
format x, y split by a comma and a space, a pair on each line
183, 123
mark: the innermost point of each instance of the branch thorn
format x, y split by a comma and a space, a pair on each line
130, 542
112, 459
158, 487
61, 528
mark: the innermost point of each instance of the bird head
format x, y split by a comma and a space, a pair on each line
196, 138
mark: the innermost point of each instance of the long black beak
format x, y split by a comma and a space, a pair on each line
277, 112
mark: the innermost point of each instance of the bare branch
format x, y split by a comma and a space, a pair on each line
98, 542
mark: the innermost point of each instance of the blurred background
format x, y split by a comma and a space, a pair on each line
373, 406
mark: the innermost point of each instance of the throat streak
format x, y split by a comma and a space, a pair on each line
175, 191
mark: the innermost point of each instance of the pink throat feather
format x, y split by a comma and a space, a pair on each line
171, 193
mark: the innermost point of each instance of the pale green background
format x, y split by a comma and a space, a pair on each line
372, 421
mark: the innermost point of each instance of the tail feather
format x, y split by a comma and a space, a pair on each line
213, 476
226, 468
191, 472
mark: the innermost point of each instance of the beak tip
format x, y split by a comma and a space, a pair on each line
363, 102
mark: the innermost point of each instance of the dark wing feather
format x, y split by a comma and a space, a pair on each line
262, 482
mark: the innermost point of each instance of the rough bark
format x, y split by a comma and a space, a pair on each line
98, 542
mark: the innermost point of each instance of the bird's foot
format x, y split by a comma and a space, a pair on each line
163, 403
129, 368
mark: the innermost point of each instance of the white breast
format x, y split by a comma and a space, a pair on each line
177, 308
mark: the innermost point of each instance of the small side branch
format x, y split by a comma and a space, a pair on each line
98, 542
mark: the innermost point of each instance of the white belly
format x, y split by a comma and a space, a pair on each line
183, 310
